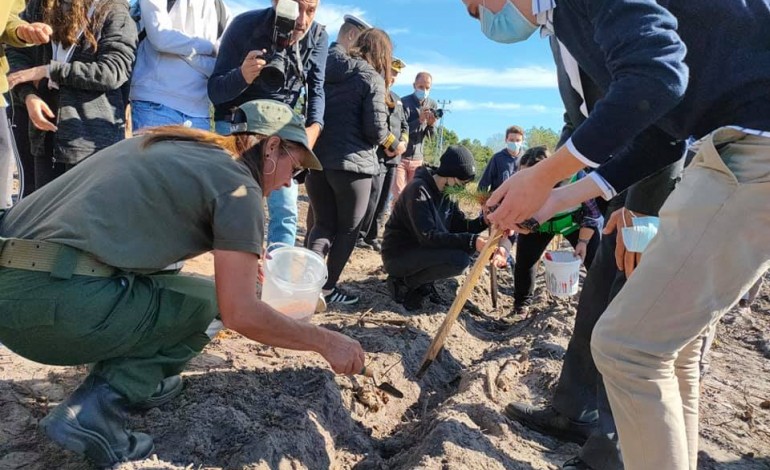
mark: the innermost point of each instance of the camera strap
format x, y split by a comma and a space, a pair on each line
300, 69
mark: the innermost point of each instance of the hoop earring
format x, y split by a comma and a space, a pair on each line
275, 167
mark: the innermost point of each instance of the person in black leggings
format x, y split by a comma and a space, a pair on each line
356, 125
580, 226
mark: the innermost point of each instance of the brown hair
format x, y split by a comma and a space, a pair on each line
534, 155
514, 130
374, 46
245, 147
68, 18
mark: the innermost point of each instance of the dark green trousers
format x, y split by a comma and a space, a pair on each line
135, 329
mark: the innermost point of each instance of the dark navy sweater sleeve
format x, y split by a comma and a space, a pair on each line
315, 80
486, 181
645, 58
226, 82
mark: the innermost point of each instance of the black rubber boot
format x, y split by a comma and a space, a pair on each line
167, 391
92, 422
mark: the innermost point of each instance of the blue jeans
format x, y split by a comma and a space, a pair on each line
148, 114
281, 206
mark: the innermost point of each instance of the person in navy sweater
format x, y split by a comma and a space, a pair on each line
699, 69
504, 163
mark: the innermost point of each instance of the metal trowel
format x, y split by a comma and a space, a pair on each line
384, 386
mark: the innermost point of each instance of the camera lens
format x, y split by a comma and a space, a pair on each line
273, 75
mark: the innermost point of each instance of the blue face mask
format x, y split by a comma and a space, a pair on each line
420, 94
506, 26
514, 147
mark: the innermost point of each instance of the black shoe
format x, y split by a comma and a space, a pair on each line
167, 391
549, 421
360, 243
340, 297
429, 290
413, 299
375, 245
397, 288
575, 464
92, 422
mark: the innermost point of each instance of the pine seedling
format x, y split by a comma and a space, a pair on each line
467, 194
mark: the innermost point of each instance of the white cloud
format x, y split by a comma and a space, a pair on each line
521, 77
466, 105
398, 31
329, 14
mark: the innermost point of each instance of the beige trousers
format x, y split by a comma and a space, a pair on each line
713, 244
404, 174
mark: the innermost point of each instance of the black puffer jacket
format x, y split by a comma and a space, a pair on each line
90, 105
356, 117
424, 217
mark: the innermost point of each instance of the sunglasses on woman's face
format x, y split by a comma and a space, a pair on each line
297, 168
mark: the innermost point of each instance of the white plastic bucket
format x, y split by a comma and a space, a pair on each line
562, 273
294, 277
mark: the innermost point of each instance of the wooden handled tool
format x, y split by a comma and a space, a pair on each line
462, 295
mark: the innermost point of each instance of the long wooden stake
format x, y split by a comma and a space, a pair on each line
493, 283
454, 311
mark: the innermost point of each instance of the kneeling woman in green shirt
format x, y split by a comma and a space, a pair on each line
76, 282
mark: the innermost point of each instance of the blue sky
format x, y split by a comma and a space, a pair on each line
491, 85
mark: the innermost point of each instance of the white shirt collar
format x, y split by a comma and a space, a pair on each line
543, 10
540, 6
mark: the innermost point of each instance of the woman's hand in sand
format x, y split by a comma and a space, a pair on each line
343, 353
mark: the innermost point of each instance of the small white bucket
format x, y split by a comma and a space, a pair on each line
294, 277
562, 273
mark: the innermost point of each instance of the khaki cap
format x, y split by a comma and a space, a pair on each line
269, 117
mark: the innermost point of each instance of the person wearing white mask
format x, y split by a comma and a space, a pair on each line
419, 112
504, 163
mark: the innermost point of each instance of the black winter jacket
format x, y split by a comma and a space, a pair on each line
398, 126
356, 117
424, 217
90, 105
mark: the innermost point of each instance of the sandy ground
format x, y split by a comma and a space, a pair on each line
249, 406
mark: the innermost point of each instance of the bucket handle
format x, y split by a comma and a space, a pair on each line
271, 246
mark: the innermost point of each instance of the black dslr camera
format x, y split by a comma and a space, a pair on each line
273, 75
439, 113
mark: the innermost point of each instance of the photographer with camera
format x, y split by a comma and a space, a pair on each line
421, 113
273, 53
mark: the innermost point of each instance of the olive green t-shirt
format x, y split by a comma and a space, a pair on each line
144, 209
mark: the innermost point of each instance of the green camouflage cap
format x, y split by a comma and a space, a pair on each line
269, 117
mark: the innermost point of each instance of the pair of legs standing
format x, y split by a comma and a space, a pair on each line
404, 174
339, 199
712, 246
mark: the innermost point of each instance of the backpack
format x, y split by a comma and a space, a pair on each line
136, 15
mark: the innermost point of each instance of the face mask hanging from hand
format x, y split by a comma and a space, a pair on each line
506, 26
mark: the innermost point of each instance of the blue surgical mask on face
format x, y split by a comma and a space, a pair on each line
514, 147
506, 26
420, 94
